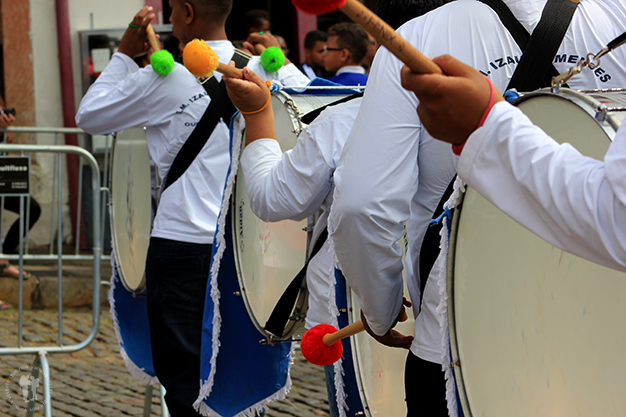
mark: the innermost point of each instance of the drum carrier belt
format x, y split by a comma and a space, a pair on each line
220, 107
535, 68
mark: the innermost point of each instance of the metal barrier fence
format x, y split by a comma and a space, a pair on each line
58, 191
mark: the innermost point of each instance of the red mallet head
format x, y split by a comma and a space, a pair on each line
314, 349
318, 7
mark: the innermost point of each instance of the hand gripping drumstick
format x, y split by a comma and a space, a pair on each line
376, 27
321, 345
161, 60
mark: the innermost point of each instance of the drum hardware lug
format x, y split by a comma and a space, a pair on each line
455, 364
601, 113
307, 229
296, 317
237, 293
343, 310
359, 414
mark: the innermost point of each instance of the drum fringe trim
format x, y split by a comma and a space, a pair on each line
207, 385
442, 308
134, 370
340, 395
261, 406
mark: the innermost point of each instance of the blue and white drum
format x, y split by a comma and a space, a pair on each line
535, 331
130, 206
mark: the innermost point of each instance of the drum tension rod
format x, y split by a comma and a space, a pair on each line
455, 364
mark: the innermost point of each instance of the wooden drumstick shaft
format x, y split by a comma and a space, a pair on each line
152, 39
350, 330
259, 48
385, 35
230, 71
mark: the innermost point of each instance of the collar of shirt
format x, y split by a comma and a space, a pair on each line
353, 69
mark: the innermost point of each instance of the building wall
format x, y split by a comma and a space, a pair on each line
32, 79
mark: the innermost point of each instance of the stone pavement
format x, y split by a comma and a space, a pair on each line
94, 382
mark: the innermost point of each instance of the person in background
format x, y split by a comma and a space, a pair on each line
369, 57
314, 54
283, 44
346, 47
256, 20
12, 238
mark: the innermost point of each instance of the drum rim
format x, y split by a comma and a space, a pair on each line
302, 300
576, 97
142, 285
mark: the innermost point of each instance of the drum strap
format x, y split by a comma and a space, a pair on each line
282, 311
220, 107
308, 118
535, 68
429, 251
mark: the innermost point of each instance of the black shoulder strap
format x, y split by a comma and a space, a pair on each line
308, 118
429, 251
282, 311
220, 107
535, 69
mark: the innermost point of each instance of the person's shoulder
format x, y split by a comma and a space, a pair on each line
457, 9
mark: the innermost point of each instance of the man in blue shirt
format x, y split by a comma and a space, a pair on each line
346, 47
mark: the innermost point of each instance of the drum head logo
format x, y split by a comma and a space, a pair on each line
21, 388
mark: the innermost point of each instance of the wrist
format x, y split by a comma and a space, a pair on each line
457, 148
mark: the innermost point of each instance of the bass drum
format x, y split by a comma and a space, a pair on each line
380, 369
130, 206
535, 331
269, 255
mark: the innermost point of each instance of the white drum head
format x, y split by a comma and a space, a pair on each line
269, 255
130, 206
379, 368
535, 331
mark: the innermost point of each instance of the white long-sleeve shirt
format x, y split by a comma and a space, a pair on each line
297, 184
392, 171
580, 209
169, 107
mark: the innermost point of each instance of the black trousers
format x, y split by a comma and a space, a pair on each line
425, 388
12, 238
176, 279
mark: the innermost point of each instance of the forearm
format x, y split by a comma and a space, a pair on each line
551, 189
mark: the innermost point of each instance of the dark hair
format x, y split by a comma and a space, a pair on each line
314, 36
211, 11
352, 37
398, 12
254, 18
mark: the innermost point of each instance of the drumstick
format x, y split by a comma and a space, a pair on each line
321, 345
161, 60
272, 58
376, 27
201, 61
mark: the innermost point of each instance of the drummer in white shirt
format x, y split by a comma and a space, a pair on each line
393, 172
574, 202
299, 182
179, 254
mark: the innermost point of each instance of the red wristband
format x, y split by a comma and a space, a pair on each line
457, 148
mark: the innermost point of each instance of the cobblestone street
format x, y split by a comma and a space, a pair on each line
94, 381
